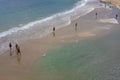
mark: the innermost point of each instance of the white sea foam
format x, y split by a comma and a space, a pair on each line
43, 27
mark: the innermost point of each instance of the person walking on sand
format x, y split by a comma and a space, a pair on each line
76, 26
96, 14
18, 52
10, 46
116, 16
54, 31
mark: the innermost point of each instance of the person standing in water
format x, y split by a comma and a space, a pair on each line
54, 31
10, 46
18, 52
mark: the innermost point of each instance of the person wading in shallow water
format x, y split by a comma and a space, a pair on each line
18, 52
54, 31
10, 46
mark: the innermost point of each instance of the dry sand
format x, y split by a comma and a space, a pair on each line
17, 68
115, 2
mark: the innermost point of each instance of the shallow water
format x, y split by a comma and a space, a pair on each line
92, 59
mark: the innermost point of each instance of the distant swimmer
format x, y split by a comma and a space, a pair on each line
10, 46
54, 31
76, 26
18, 52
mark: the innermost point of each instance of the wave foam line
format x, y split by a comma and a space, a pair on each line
31, 24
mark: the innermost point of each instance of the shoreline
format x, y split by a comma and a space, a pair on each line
34, 49
33, 30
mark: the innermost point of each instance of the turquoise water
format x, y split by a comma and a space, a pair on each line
73, 61
92, 59
13, 13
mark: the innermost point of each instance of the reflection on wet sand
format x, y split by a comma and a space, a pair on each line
19, 59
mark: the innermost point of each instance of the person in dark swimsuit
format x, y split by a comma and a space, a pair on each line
18, 49
76, 26
10, 46
54, 31
96, 15
116, 16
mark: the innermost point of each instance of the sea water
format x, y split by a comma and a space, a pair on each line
90, 59
25, 19
16, 12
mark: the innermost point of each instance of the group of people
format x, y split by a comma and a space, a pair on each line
76, 24
17, 47
116, 16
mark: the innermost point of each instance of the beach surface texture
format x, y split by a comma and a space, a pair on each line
86, 51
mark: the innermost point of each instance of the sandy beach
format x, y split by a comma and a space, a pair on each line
19, 68
115, 2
